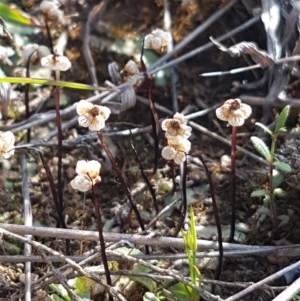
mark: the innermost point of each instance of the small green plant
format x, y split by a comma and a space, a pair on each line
178, 291
190, 242
80, 288
276, 168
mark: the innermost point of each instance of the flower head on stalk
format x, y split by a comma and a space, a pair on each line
87, 175
176, 126
56, 62
92, 116
34, 53
177, 132
176, 149
158, 40
234, 112
51, 11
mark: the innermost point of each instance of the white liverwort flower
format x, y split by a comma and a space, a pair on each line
176, 149
87, 175
92, 116
34, 52
131, 73
177, 132
176, 126
5, 53
7, 141
56, 62
51, 11
234, 112
158, 40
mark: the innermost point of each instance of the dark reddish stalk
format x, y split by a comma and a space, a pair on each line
154, 116
59, 133
49, 35
96, 203
183, 172
59, 126
121, 179
27, 110
59, 148
217, 218
155, 122
152, 192
233, 183
59, 209
172, 166
26, 96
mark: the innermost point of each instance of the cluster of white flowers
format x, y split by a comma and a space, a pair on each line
92, 116
234, 112
131, 73
56, 62
7, 141
87, 175
34, 53
5, 54
158, 40
51, 11
177, 134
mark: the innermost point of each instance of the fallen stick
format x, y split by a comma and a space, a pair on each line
137, 239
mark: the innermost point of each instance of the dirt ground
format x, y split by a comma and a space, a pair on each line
115, 35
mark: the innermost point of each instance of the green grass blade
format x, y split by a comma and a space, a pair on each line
39, 81
15, 15
192, 231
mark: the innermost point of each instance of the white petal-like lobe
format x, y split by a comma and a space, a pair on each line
236, 121
168, 152
105, 112
180, 117
97, 124
81, 167
220, 114
93, 168
83, 107
179, 158
83, 121
81, 183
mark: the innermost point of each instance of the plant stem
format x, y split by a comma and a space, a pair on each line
272, 201
122, 181
183, 169
60, 184
60, 219
151, 189
101, 239
217, 218
59, 140
154, 116
59, 145
26, 96
155, 123
233, 183
49, 35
